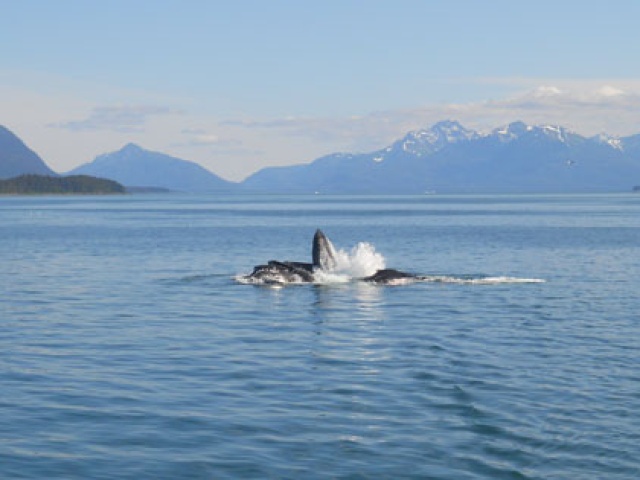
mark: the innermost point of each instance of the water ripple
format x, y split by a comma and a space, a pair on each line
128, 351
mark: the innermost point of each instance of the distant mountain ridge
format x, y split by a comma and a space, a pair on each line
450, 158
17, 159
446, 158
134, 166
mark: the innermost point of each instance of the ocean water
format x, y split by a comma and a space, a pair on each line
128, 349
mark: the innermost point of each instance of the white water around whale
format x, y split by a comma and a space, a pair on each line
363, 260
359, 262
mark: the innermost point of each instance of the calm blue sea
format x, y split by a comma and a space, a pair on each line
129, 351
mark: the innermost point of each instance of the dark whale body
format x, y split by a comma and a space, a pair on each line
390, 275
324, 259
283, 272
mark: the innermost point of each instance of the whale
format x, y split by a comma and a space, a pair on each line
323, 260
323, 257
389, 276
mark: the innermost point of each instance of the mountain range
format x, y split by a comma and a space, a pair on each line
446, 158
449, 158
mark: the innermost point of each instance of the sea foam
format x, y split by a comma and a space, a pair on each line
361, 261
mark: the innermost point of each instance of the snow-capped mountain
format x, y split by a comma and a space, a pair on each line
520, 130
451, 158
426, 142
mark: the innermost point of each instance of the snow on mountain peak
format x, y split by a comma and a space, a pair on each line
517, 129
422, 142
555, 131
612, 141
512, 131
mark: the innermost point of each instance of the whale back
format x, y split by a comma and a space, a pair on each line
390, 276
323, 252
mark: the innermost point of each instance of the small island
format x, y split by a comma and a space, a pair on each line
49, 185
636, 189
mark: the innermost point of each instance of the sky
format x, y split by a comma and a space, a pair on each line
240, 85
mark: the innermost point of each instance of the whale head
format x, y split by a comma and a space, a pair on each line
323, 252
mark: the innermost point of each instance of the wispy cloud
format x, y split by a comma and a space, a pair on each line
203, 139
586, 108
200, 137
120, 118
354, 132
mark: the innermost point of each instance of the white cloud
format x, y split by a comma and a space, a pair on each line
546, 91
609, 91
205, 139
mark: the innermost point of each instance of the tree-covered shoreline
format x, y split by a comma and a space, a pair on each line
48, 185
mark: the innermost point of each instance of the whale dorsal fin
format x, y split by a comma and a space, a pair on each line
323, 253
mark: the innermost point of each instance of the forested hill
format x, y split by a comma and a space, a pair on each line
43, 184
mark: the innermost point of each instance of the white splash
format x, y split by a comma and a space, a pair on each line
361, 261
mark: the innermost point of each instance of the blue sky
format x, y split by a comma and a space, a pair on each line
238, 85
